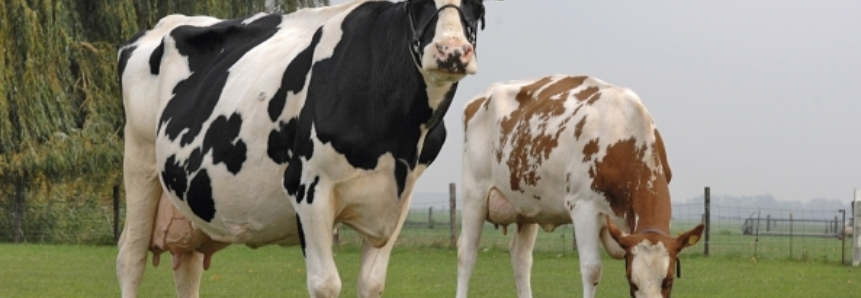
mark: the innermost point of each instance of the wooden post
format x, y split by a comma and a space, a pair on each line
756, 243
116, 212
855, 244
563, 238
835, 225
452, 203
336, 235
790, 235
842, 232
430, 217
708, 218
17, 229
768, 223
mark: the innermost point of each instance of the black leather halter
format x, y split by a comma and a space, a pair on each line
470, 28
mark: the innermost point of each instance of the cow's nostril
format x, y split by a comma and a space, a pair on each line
467, 51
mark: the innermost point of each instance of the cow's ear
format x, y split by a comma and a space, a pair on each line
691, 237
616, 233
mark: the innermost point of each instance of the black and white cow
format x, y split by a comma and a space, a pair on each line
270, 129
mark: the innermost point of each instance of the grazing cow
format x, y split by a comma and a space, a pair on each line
273, 128
560, 149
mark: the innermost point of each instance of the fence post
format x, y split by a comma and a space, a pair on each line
336, 235
856, 229
708, 218
768, 223
17, 229
452, 196
116, 212
756, 243
834, 226
842, 232
430, 217
790, 234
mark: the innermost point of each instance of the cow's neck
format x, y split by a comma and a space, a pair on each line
651, 209
432, 92
439, 100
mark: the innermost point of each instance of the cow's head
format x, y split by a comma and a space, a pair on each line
444, 36
651, 258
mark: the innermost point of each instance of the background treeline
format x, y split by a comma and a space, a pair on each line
61, 113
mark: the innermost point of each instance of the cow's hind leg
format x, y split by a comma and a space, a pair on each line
142, 193
187, 273
587, 231
521, 247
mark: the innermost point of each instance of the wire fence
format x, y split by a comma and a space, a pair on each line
749, 232
60, 223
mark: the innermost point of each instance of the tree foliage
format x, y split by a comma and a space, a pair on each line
61, 110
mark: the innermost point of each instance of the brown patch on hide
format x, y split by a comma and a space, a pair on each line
471, 109
590, 149
590, 95
662, 154
578, 129
539, 102
621, 175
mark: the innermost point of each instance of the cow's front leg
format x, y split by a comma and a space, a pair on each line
474, 215
587, 230
315, 214
375, 260
520, 249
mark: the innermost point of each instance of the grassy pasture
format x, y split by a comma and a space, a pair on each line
88, 271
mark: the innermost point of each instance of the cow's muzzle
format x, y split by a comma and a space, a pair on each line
453, 57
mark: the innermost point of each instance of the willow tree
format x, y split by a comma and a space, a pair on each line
60, 105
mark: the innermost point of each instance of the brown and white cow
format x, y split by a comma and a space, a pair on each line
570, 148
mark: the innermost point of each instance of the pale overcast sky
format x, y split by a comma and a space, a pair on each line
751, 97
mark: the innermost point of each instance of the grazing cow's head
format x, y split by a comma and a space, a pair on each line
444, 36
651, 258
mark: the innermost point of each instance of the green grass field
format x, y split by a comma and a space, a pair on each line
88, 271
